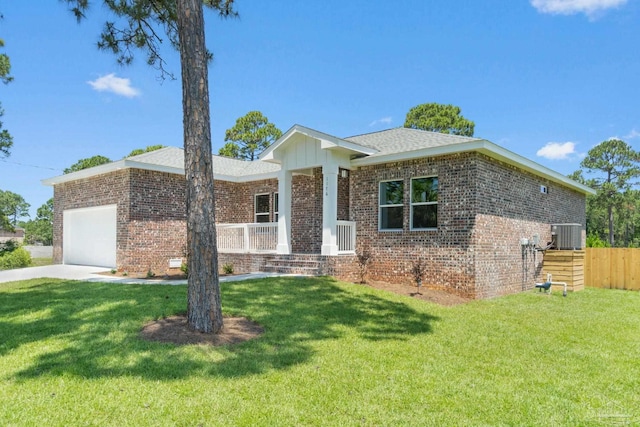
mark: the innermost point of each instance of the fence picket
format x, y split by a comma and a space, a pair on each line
616, 268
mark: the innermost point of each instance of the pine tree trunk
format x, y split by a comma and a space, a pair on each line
204, 310
610, 215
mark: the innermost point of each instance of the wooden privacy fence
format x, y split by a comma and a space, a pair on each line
615, 268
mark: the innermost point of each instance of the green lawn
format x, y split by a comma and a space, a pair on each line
332, 354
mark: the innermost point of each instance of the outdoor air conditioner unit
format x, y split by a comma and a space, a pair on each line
567, 236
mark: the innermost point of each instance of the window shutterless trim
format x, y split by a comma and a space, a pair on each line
396, 205
256, 214
412, 204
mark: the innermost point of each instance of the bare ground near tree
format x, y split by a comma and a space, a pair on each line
175, 330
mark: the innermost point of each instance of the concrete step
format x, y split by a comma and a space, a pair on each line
303, 264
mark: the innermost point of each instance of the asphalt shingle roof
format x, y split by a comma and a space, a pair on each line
401, 140
174, 157
391, 141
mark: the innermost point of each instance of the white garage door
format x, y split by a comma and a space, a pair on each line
89, 236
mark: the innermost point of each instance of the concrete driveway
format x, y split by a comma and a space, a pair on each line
90, 274
57, 271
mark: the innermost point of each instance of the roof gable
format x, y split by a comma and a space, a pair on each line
326, 142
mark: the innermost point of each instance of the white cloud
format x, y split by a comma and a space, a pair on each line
633, 134
384, 121
557, 150
570, 7
117, 85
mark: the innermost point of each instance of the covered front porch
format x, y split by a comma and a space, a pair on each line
313, 212
262, 238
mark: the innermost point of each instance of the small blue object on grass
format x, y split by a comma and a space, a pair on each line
546, 286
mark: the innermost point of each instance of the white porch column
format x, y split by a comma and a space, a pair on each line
284, 212
329, 209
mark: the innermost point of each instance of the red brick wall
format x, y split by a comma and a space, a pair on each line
343, 195
235, 201
511, 207
107, 189
151, 213
306, 213
484, 208
156, 228
446, 251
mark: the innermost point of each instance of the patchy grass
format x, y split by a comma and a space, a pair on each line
39, 262
332, 354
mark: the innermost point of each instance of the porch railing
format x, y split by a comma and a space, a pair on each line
247, 238
346, 237
263, 237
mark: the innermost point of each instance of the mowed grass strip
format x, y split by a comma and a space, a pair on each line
332, 354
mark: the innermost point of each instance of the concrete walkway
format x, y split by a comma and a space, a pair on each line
90, 274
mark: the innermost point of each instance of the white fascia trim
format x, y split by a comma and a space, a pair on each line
245, 178
152, 167
326, 142
267, 155
85, 173
482, 146
126, 164
416, 154
513, 159
110, 167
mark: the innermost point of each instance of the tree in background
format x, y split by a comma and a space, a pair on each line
143, 22
251, 134
441, 118
40, 229
627, 226
6, 140
617, 165
102, 160
13, 207
87, 163
596, 223
149, 149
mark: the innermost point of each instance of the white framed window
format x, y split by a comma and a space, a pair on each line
261, 207
391, 205
424, 203
276, 201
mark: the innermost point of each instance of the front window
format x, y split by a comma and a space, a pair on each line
391, 205
262, 208
424, 203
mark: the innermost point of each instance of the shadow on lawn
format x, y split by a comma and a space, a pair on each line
95, 326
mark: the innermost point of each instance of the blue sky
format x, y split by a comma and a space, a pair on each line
546, 79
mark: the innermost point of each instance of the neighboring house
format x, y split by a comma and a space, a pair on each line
312, 201
17, 235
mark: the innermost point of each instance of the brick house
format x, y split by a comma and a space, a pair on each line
17, 235
462, 205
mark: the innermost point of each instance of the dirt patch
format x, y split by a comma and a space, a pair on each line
432, 295
174, 330
172, 274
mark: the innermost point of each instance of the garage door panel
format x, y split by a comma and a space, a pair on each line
89, 236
